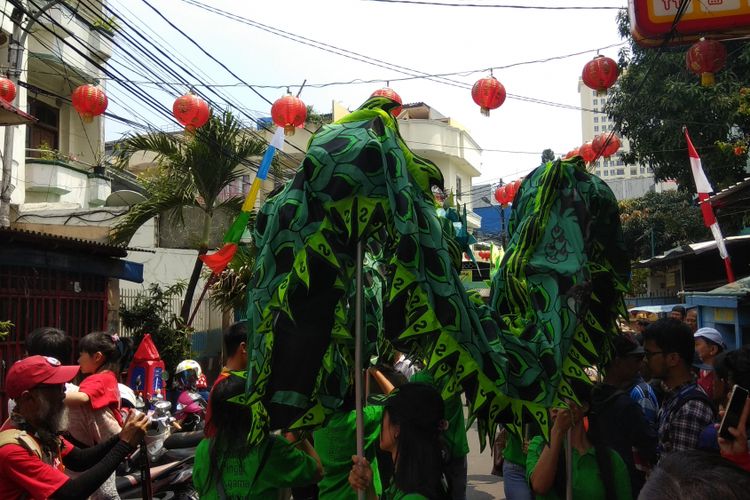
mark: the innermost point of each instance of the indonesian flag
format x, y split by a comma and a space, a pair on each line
703, 187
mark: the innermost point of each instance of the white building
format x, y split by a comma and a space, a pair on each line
449, 145
55, 159
626, 181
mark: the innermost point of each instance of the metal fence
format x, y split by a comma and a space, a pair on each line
128, 297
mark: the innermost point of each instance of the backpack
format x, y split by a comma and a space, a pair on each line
22, 439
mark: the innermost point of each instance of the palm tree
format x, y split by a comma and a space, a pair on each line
193, 169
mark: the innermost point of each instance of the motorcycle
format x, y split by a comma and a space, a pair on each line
162, 467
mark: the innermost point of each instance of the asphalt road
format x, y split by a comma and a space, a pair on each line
481, 484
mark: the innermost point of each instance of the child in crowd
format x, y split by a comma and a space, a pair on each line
226, 467
413, 422
95, 407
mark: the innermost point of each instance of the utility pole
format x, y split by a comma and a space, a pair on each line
16, 44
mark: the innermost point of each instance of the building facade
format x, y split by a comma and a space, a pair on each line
626, 181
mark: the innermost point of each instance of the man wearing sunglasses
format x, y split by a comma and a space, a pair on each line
687, 410
33, 456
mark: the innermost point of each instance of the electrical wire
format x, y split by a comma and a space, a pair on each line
500, 6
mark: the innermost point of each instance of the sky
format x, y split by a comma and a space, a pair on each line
424, 38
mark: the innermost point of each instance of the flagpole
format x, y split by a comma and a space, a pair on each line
358, 359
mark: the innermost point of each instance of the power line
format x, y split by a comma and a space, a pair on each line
500, 6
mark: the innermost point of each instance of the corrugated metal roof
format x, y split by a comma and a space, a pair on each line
55, 241
720, 198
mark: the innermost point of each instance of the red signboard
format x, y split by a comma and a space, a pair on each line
651, 20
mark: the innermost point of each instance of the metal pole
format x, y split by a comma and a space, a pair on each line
569, 467
358, 358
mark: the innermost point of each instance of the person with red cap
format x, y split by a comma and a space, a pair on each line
33, 456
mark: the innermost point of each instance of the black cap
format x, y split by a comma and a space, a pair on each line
627, 344
414, 403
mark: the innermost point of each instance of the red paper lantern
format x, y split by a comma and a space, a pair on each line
489, 94
392, 95
89, 101
586, 151
7, 90
191, 111
289, 112
600, 74
705, 58
500, 195
572, 154
606, 144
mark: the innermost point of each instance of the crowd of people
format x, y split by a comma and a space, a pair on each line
646, 428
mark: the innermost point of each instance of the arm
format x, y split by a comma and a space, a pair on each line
736, 450
87, 483
643, 436
542, 477
305, 446
76, 398
80, 459
385, 385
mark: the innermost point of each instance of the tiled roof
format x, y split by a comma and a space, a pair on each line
54, 241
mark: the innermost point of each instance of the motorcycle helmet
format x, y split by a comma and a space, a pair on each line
187, 374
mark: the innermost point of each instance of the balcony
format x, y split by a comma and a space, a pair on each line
437, 136
100, 43
56, 179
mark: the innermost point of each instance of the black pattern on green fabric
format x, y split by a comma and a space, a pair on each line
553, 304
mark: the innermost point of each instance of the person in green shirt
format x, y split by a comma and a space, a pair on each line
413, 420
336, 443
598, 472
226, 467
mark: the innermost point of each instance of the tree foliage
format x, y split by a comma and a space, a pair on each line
656, 96
193, 171
672, 217
168, 331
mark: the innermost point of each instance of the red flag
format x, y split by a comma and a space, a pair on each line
704, 189
219, 260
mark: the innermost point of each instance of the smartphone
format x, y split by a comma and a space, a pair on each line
734, 410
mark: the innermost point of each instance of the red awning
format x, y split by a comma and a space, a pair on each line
10, 115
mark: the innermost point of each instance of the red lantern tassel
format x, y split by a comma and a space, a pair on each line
289, 130
707, 79
485, 111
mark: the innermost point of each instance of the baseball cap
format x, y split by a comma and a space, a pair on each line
34, 370
710, 334
626, 344
416, 403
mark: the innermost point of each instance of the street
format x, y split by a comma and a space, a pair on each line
481, 484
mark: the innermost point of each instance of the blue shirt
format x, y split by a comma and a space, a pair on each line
643, 394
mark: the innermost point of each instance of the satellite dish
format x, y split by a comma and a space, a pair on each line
124, 198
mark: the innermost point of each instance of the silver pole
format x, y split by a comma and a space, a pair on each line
358, 359
569, 467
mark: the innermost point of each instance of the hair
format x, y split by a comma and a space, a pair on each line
419, 455
235, 335
696, 475
49, 341
681, 310
672, 335
603, 454
231, 422
106, 343
734, 366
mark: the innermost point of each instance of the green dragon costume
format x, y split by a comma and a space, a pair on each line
553, 305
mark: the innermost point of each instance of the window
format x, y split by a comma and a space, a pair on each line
44, 132
643, 170
606, 173
610, 127
633, 171
458, 187
596, 119
596, 101
596, 128
620, 171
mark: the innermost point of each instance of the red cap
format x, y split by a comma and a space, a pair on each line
34, 370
